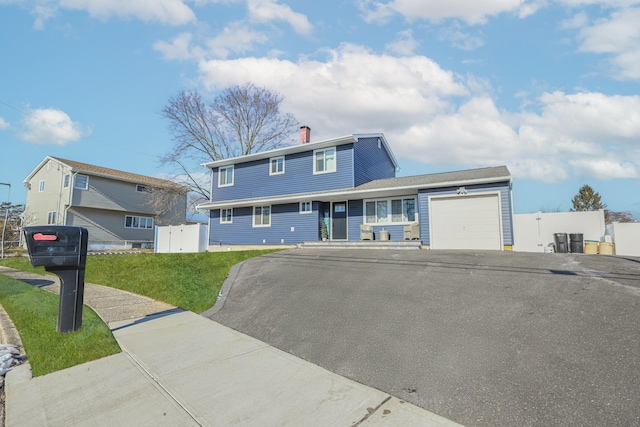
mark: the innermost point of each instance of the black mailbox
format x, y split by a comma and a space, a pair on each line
57, 246
62, 250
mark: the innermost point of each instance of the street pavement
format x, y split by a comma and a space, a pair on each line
481, 338
178, 368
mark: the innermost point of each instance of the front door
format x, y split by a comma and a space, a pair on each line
339, 221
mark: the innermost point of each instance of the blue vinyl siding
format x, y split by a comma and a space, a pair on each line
283, 217
505, 198
355, 219
252, 179
371, 162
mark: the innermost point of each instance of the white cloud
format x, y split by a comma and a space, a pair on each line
270, 10
603, 3
349, 91
432, 116
42, 13
460, 39
169, 12
4, 124
472, 12
179, 48
404, 44
51, 126
579, 20
618, 36
235, 38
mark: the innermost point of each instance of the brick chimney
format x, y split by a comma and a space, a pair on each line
305, 134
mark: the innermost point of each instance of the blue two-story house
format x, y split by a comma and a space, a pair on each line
284, 196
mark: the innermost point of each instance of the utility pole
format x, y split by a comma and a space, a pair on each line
6, 216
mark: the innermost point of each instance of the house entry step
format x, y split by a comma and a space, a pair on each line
366, 244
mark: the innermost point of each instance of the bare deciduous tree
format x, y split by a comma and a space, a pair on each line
621, 217
241, 120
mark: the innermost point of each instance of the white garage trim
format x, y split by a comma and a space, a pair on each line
469, 221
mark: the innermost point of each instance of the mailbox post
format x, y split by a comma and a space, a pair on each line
62, 250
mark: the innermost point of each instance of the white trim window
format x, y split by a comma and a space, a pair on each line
131, 221
81, 182
225, 176
226, 216
66, 181
262, 216
324, 161
306, 207
390, 211
52, 217
276, 165
41, 186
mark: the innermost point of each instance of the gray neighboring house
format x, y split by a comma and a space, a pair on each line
114, 206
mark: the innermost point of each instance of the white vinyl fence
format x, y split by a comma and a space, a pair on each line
626, 238
535, 232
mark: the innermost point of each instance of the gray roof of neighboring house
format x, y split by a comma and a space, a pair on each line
375, 188
112, 173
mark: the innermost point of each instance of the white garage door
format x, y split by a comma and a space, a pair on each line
465, 222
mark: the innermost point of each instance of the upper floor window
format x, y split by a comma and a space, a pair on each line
66, 180
143, 189
41, 186
51, 218
225, 176
305, 207
276, 165
324, 160
390, 210
262, 216
226, 216
81, 182
138, 222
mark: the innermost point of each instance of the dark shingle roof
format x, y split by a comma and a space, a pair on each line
99, 170
464, 177
429, 180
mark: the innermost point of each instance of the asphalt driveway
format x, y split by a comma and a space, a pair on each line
485, 338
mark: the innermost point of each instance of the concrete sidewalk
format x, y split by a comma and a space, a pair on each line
179, 368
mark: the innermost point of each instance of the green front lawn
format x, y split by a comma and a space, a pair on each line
34, 312
188, 281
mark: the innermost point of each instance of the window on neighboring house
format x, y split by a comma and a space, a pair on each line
143, 189
66, 180
324, 160
306, 207
276, 165
81, 182
131, 221
226, 216
51, 218
385, 211
262, 216
41, 186
225, 176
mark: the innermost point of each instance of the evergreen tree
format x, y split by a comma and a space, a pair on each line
588, 200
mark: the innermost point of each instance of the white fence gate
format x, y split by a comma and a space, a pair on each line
181, 238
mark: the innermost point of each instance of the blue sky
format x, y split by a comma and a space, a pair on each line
548, 88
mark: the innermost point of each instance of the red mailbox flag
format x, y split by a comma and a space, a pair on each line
40, 236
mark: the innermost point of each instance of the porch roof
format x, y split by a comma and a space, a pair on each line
388, 187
